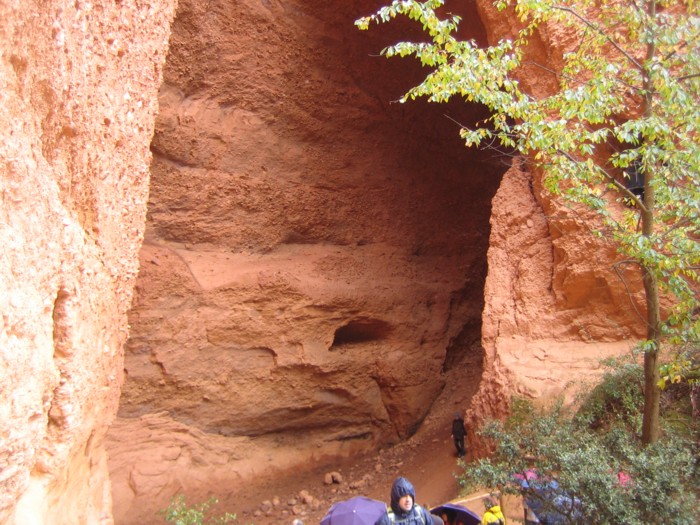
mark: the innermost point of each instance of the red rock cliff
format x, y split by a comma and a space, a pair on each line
78, 86
317, 255
554, 305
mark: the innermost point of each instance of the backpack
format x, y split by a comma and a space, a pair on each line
392, 516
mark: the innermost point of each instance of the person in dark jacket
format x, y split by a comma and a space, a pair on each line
458, 434
404, 510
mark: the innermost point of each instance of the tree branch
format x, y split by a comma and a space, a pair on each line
603, 33
612, 180
687, 77
618, 270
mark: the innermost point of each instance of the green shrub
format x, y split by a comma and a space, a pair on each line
618, 398
198, 514
596, 456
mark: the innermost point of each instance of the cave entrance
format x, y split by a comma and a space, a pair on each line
287, 132
297, 108
360, 331
279, 130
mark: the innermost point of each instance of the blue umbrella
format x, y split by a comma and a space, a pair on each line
458, 512
354, 511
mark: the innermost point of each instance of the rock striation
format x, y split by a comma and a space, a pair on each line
317, 256
314, 257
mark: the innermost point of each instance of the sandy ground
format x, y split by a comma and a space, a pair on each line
428, 459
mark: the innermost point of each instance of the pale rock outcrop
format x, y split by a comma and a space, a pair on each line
78, 83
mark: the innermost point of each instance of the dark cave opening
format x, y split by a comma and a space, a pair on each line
285, 135
360, 331
258, 127
466, 346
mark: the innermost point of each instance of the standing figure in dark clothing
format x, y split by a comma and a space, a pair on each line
458, 434
404, 509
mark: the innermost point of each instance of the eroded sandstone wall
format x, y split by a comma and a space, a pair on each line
555, 302
316, 257
78, 86
554, 306
314, 253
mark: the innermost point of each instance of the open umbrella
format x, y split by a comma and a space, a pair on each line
458, 512
551, 504
354, 511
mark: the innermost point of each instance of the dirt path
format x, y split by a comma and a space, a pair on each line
428, 460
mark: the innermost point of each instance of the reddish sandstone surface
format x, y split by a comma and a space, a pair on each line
78, 86
315, 266
325, 275
314, 259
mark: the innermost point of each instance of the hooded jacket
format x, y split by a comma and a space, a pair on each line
394, 515
493, 515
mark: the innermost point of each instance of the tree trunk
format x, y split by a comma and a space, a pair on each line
652, 392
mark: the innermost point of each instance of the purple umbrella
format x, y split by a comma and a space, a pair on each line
458, 512
354, 511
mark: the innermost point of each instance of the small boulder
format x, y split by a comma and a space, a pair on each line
337, 477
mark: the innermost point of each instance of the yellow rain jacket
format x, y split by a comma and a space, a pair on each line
493, 516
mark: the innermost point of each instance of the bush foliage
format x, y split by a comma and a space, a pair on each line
596, 457
179, 513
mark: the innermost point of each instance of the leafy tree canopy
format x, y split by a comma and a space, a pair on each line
604, 83
627, 107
